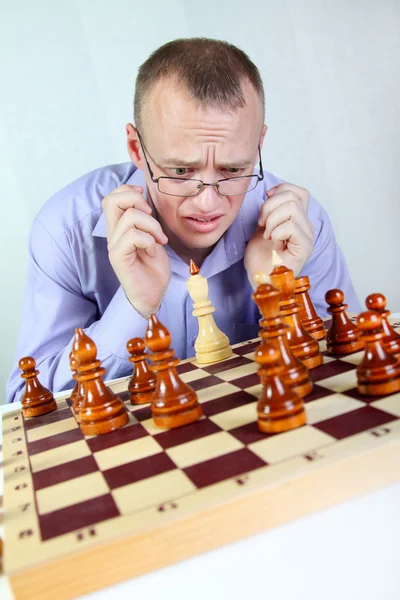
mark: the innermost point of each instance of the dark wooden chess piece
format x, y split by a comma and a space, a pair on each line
343, 336
279, 407
37, 400
174, 403
379, 372
391, 341
78, 393
301, 343
143, 382
312, 323
102, 410
274, 332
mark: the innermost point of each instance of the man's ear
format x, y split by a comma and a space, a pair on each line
133, 147
263, 132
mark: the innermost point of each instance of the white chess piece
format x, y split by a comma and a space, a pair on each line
211, 344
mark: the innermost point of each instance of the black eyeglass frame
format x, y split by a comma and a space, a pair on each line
259, 176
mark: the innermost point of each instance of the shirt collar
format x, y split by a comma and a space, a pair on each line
229, 249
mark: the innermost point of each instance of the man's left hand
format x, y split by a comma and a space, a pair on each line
283, 225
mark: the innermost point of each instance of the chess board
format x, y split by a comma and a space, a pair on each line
82, 513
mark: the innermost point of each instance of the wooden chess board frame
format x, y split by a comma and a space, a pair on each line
84, 513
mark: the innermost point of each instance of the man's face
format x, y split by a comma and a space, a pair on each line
182, 139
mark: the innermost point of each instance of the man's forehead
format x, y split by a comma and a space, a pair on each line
169, 106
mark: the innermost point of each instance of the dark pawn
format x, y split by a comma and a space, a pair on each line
37, 400
279, 408
391, 341
343, 337
301, 343
102, 410
78, 393
143, 382
275, 332
312, 323
174, 403
379, 372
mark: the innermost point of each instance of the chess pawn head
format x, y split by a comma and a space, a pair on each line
376, 302
335, 299
37, 400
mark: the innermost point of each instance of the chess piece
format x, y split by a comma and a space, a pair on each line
274, 332
343, 336
174, 403
143, 381
37, 400
279, 407
391, 341
301, 343
211, 344
379, 372
102, 410
78, 393
312, 323
72, 366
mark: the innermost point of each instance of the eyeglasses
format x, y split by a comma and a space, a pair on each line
179, 186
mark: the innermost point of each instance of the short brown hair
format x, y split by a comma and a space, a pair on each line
211, 70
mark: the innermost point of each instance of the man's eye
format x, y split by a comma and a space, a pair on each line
233, 170
180, 171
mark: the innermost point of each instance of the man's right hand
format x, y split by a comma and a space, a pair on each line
135, 248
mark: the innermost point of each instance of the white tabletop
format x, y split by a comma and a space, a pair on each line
348, 552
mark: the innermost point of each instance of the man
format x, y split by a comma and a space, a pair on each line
114, 246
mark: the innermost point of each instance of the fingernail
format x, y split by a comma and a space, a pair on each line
272, 191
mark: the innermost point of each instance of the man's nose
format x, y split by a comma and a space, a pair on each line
207, 199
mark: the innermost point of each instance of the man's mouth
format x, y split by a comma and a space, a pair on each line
204, 224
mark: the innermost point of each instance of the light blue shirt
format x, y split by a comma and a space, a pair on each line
71, 283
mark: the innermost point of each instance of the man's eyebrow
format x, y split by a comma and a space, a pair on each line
179, 162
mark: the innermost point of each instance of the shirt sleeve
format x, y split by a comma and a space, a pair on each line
327, 268
54, 306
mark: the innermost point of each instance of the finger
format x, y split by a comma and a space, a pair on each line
273, 203
300, 193
128, 244
120, 200
294, 238
286, 212
136, 219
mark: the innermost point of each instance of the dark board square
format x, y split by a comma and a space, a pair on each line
143, 413
226, 365
219, 405
55, 441
115, 438
317, 393
185, 368
53, 417
69, 470
246, 347
204, 382
249, 433
181, 435
78, 516
335, 367
138, 470
354, 393
356, 421
223, 467
125, 396
246, 381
